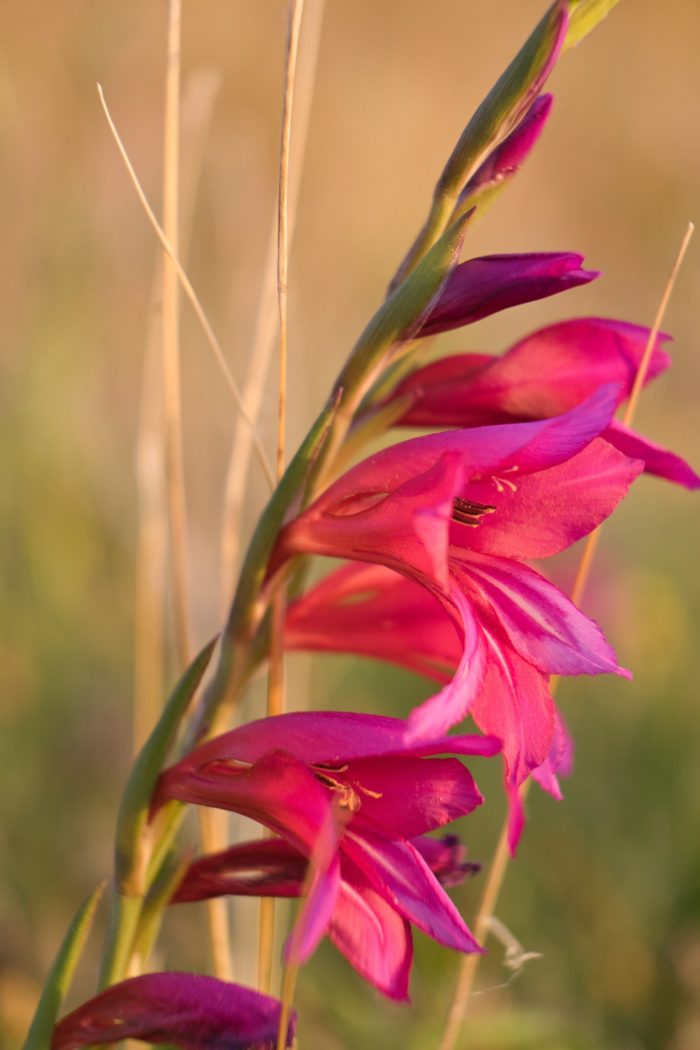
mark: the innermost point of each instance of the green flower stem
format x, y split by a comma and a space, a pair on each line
124, 914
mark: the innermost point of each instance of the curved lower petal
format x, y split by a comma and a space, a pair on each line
541, 623
657, 460
372, 935
448, 707
372, 611
515, 704
558, 762
398, 872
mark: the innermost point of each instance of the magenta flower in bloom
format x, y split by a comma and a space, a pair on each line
480, 287
456, 512
547, 373
182, 1009
348, 792
364, 925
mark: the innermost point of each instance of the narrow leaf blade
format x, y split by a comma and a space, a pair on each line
61, 975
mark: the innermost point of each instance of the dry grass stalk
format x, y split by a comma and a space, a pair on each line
266, 326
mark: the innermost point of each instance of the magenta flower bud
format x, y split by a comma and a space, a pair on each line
183, 1009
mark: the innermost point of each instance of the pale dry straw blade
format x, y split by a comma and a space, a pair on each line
172, 398
197, 104
499, 864
275, 678
266, 325
189, 291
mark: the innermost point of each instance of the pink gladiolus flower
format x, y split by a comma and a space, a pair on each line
351, 783
456, 512
547, 373
366, 927
182, 1009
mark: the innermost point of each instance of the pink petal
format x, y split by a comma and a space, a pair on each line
480, 287
559, 760
657, 460
398, 872
448, 707
515, 704
543, 375
372, 935
278, 791
539, 514
541, 623
317, 738
183, 1009
263, 868
406, 796
316, 910
372, 611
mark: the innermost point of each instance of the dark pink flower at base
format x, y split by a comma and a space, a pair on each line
182, 1009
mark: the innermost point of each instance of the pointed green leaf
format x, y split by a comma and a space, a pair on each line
584, 16
61, 975
133, 813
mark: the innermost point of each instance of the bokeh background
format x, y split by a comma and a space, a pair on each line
607, 884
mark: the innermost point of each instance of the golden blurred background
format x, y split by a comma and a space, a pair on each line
607, 884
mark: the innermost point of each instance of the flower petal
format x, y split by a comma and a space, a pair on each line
398, 872
278, 791
541, 623
372, 935
515, 704
373, 611
484, 286
657, 460
559, 760
546, 373
540, 514
263, 868
185, 1010
312, 737
405, 796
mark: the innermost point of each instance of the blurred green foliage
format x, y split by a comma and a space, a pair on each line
607, 884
